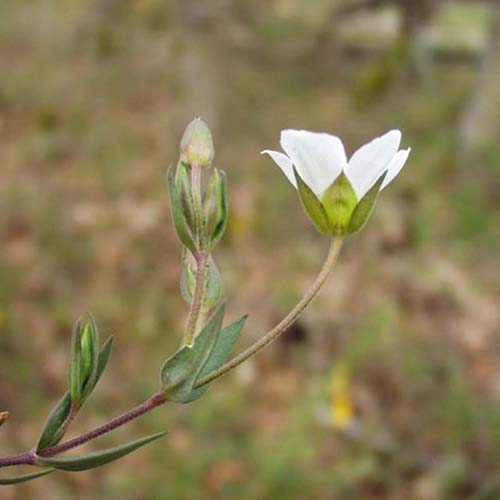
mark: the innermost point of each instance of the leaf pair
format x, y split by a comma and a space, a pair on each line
210, 349
86, 367
198, 227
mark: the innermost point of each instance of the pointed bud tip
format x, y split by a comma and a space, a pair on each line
197, 146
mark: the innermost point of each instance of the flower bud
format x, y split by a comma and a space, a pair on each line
197, 146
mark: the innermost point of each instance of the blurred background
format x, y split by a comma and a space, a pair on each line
389, 386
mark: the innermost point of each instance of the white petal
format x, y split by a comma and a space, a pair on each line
318, 157
395, 166
369, 162
283, 162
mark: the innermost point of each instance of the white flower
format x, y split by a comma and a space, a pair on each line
319, 158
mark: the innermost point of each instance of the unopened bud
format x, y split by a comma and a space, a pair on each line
197, 145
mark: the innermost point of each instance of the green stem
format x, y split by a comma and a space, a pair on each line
197, 313
286, 322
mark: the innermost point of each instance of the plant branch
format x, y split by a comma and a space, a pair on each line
29, 457
286, 322
153, 402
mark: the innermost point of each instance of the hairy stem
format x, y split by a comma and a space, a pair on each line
29, 457
154, 401
286, 322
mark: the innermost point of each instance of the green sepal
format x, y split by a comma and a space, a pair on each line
215, 209
339, 201
213, 280
181, 225
181, 370
75, 366
4, 481
312, 205
365, 207
96, 458
184, 187
55, 427
222, 349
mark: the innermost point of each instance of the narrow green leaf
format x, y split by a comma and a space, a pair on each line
96, 458
215, 207
180, 371
180, 223
213, 286
54, 428
87, 351
188, 275
339, 202
223, 346
90, 356
103, 359
365, 207
75, 366
312, 205
4, 481
184, 185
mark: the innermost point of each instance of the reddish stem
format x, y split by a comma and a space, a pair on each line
29, 457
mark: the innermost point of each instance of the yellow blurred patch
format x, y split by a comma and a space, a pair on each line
2, 317
341, 408
143, 7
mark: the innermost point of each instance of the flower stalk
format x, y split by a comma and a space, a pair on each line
286, 322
